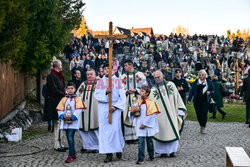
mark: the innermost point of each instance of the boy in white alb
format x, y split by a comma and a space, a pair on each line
69, 112
146, 123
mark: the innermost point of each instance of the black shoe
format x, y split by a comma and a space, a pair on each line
131, 141
223, 116
91, 151
119, 155
83, 150
49, 128
172, 155
163, 156
109, 158
61, 149
213, 117
139, 161
247, 122
151, 158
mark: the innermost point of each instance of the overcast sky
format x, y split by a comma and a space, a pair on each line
199, 16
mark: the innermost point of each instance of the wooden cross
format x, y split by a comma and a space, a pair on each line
111, 37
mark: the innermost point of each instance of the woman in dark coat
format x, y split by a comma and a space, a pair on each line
201, 92
218, 98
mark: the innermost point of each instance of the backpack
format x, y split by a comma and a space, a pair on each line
44, 91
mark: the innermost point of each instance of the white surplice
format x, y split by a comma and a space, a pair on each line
90, 140
150, 122
110, 135
76, 112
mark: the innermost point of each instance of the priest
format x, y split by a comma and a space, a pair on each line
110, 134
170, 119
89, 119
132, 80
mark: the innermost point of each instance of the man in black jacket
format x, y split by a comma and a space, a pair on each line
77, 79
246, 92
54, 93
181, 84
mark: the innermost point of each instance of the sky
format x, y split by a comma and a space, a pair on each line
199, 16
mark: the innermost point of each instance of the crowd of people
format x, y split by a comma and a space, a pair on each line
151, 79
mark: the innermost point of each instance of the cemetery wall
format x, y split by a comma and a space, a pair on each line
14, 86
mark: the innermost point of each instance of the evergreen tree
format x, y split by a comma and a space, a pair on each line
33, 31
13, 31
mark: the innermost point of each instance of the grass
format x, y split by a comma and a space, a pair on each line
235, 113
32, 133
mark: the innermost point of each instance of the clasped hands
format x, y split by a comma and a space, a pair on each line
142, 126
67, 117
134, 109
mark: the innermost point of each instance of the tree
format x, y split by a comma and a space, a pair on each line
181, 29
13, 31
83, 29
245, 34
238, 34
50, 26
229, 34
33, 31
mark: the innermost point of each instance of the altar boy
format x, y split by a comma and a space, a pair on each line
69, 111
146, 123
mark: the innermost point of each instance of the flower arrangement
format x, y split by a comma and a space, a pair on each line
190, 77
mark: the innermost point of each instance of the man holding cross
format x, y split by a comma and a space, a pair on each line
110, 133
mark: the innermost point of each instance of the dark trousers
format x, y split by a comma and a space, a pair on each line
247, 110
141, 146
220, 111
70, 133
201, 110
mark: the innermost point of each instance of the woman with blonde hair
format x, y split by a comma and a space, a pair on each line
201, 92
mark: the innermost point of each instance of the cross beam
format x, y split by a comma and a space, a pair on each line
110, 37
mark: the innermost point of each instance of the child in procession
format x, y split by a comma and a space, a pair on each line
146, 123
69, 112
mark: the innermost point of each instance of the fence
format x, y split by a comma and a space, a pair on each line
14, 86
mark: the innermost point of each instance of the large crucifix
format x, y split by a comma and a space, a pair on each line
111, 37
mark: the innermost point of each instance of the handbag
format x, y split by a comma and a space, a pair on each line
223, 91
212, 106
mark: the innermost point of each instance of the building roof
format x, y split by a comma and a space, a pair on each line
148, 31
122, 30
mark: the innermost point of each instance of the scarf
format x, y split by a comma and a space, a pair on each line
204, 83
59, 74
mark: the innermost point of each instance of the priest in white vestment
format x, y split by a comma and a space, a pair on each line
110, 135
88, 129
170, 119
132, 80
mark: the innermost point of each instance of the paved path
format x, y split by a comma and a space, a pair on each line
196, 150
